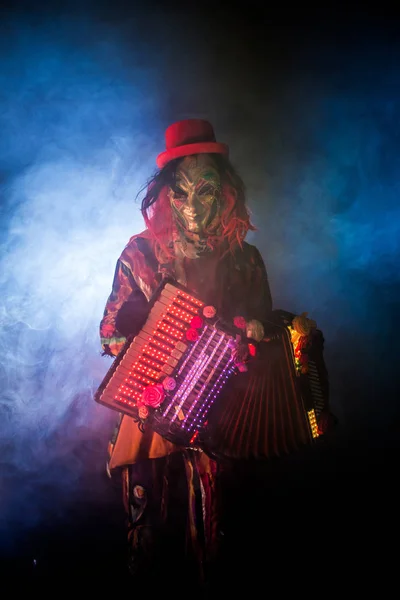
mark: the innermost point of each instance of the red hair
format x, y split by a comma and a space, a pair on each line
159, 222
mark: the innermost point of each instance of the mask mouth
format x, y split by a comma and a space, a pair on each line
193, 215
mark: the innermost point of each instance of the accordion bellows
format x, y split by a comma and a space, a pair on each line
271, 410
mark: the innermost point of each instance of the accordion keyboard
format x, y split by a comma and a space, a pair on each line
163, 349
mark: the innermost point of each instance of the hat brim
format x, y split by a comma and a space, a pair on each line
200, 148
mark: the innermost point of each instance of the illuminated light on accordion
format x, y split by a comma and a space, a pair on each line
200, 367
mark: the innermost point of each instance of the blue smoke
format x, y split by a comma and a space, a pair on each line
75, 148
329, 223
83, 109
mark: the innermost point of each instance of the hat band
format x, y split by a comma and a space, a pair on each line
199, 148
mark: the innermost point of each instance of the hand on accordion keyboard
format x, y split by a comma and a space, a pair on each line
132, 316
255, 330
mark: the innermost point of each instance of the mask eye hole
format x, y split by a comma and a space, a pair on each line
206, 190
178, 196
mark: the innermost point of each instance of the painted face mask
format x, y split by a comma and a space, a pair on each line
195, 197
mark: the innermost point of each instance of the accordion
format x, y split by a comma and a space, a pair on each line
168, 376
178, 377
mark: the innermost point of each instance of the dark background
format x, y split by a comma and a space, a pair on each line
308, 100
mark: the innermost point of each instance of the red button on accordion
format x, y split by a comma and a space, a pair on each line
178, 377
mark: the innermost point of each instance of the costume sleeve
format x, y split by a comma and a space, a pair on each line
125, 292
259, 292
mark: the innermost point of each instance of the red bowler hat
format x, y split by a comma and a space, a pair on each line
191, 136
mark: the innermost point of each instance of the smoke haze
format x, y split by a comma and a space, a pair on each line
86, 94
